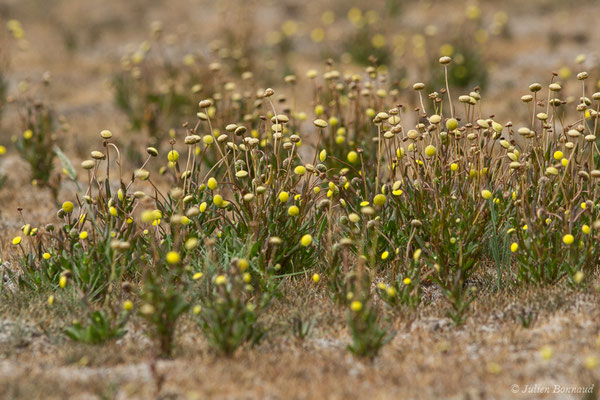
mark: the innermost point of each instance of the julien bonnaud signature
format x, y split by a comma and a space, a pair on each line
552, 389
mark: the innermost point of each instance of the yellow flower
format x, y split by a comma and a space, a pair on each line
546, 352
212, 183
243, 264
197, 310
356, 306
62, 281
316, 278
28, 134
68, 207
208, 140
391, 291
284, 197
112, 211
220, 280
127, 305
246, 277
46, 256
454, 167
300, 170
306, 240
486, 194
218, 200
407, 281
293, 211
451, 124
323, 155
83, 235
514, 247
430, 151
558, 155
173, 156
585, 229
564, 162
51, 299
203, 206
352, 157
591, 362
173, 257
379, 200
197, 276
2, 150
385, 255
16, 240
568, 239
578, 277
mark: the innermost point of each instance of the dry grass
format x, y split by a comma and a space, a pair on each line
428, 358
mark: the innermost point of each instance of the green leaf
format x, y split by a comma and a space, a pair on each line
66, 163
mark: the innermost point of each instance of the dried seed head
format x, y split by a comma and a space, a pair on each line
412, 134
445, 60
98, 155
106, 134
555, 87
205, 103
483, 124
192, 139
152, 151
535, 87
280, 119
527, 98
142, 174
320, 123
87, 164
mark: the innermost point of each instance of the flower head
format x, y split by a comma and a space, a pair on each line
379, 200
568, 239
352, 157
173, 156
293, 211
173, 257
306, 240
356, 306
68, 207
284, 197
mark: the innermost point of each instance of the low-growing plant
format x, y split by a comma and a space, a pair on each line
368, 337
374, 201
36, 142
98, 328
